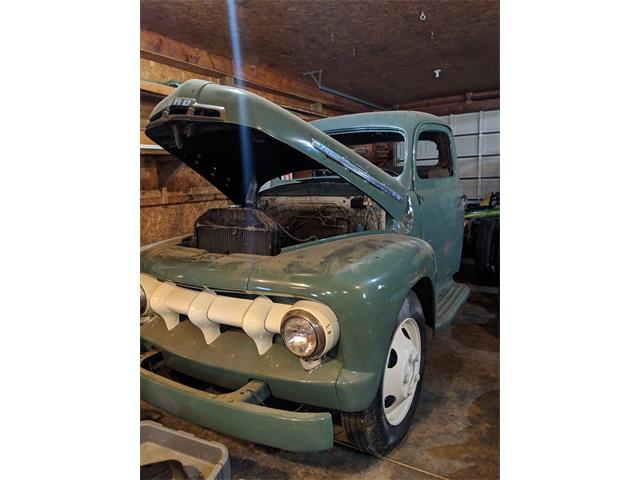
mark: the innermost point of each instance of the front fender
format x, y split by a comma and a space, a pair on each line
364, 278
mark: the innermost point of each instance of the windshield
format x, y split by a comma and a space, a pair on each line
382, 148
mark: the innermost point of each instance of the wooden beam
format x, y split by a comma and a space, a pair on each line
163, 197
144, 140
462, 103
228, 81
144, 150
304, 111
156, 47
163, 73
460, 107
155, 88
167, 170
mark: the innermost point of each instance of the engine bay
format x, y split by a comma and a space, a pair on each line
288, 215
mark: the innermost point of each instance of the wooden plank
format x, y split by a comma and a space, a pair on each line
153, 198
473, 96
148, 174
148, 147
144, 140
306, 113
460, 107
160, 72
463, 103
155, 88
147, 152
228, 81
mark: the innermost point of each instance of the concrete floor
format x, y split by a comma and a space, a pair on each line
455, 432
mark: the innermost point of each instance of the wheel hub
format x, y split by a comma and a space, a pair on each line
412, 375
402, 371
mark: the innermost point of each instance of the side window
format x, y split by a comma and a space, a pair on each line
433, 155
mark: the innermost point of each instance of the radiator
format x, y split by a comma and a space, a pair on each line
237, 230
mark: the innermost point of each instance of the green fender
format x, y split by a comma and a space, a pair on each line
364, 278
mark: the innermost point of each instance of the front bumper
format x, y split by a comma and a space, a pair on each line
239, 413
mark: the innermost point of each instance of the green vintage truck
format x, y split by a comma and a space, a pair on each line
307, 302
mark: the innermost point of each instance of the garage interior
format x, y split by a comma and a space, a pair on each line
320, 59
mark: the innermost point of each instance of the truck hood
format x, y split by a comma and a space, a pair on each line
168, 261
238, 141
310, 269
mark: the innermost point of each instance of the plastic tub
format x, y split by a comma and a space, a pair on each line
201, 459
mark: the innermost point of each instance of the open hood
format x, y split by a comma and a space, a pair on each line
238, 141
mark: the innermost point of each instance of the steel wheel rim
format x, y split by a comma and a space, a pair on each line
402, 371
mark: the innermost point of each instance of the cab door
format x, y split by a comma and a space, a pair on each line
440, 197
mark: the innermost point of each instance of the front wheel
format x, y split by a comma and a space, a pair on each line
380, 427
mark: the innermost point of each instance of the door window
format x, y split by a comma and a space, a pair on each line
433, 155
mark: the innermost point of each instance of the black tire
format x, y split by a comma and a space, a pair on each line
369, 429
487, 250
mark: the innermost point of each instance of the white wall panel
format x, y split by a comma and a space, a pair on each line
491, 121
468, 167
470, 188
477, 137
491, 167
490, 144
467, 146
464, 123
490, 185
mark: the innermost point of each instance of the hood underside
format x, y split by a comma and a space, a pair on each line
238, 141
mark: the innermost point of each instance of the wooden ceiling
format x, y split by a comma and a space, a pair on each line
377, 50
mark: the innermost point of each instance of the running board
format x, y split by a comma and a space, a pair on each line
450, 305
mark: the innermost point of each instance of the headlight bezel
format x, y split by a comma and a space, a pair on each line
144, 301
312, 320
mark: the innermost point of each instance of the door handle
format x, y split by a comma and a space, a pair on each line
462, 201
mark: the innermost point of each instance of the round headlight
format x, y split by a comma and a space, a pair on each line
143, 301
302, 334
